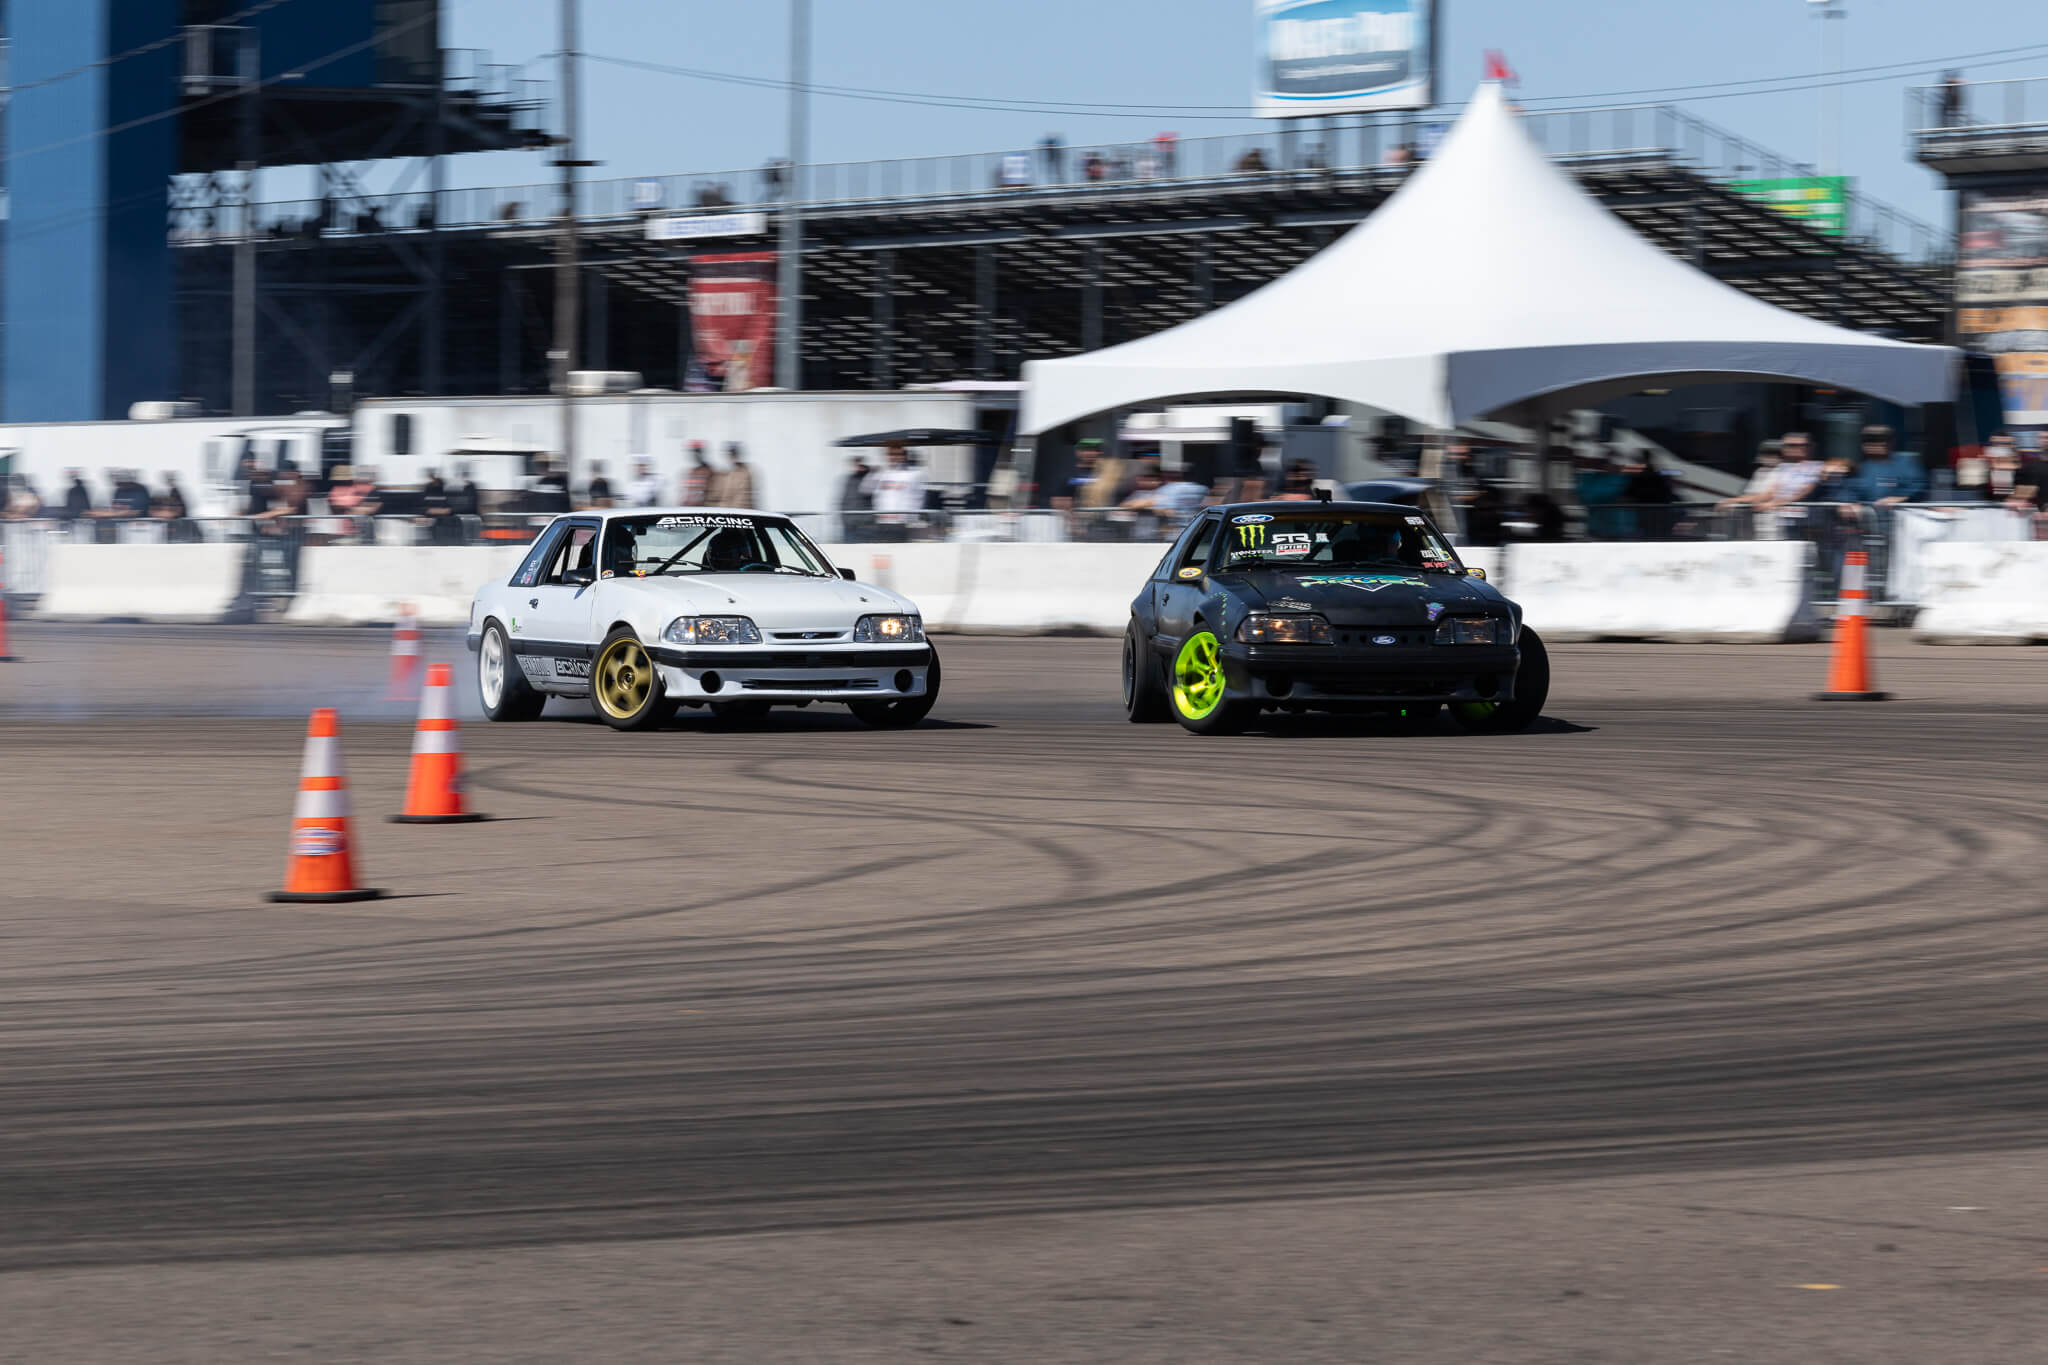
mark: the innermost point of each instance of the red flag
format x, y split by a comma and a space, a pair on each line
1497, 69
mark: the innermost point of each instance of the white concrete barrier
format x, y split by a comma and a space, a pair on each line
1756, 591
1984, 593
1010, 589
341, 585
168, 583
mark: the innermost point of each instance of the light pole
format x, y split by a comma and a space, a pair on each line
568, 279
1830, 150
790, 270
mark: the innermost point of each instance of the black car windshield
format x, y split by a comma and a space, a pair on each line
1330, 538
707, 543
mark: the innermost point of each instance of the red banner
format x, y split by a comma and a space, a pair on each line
732, 320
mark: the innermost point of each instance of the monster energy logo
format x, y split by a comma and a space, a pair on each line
1251, 537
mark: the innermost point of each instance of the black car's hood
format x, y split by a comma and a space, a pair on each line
1367, 597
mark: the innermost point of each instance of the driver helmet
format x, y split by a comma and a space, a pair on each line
729, 550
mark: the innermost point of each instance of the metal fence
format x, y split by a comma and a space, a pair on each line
1980, 118
1370, 151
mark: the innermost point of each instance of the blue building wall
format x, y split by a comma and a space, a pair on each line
87, 294
300, 32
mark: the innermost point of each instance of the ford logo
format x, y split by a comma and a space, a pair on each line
1383, 640
1249, 519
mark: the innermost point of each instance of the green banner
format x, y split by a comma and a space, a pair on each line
1819, 200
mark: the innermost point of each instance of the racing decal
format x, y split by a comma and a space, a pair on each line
316, 841
572, 668
1292, 545
742, 523
1436, 564
1415, 521
516, 627
1191, 571
1289, 604
1251, 519
1251, 535
1364, 582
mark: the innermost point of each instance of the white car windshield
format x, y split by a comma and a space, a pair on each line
708, 543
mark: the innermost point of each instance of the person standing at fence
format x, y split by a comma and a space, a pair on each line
853, 493
598, 492
23, 503
465, 505
645, 490
2030, 490
896, 491
1890, 476
698, 478
1762, 480
1798, 473
736, 485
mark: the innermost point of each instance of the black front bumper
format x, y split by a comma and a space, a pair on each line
1316, 676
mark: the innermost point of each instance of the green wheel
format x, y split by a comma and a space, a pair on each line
1195, 693
625, 689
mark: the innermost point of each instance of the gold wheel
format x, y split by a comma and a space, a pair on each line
622, 680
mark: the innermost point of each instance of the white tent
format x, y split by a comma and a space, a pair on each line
1490, 283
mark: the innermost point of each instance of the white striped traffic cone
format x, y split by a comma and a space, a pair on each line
433, 795
322, 863
405, 656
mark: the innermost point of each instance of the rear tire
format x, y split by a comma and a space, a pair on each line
500, 685
1144, 688
902, 714
1532, 690
1196, 696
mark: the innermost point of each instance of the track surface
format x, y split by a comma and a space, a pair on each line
1030, 1034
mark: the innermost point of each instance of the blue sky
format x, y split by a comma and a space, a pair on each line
1198, 53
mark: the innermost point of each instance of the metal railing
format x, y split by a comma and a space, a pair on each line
1979, 118
1377, 150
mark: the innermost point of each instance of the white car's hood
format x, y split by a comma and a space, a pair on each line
771, 601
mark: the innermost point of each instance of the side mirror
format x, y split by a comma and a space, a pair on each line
1479, 574
581, 578
846, 574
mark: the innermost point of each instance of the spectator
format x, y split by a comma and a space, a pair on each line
598, 492
1298, 484
1546, 515
774, 177
77, 498
1889, 477
853, 493
130, 498
2030, 491
1166, 154
169, 502
439, 515
23, 503
285, 496
645, 490
698, 478
1798, 472
1052, 159
549, 491
1762, 480
354, 495
465, 505
1253, 160
736, 485
257, 488
1952, 100
1486, 516
1094, 168
896, 492
1003, 483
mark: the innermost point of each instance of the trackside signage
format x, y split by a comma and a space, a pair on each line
685, 227
1344, 56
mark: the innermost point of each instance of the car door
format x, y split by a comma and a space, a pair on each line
555, 623
1177, 595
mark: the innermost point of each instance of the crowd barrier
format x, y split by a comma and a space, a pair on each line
158, 583
1660, 590
1753, 591
1985, 593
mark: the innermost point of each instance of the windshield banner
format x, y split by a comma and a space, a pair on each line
1344, 56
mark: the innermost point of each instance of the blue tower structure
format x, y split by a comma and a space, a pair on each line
110, 100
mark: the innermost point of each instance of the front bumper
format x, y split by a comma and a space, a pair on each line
837, 673
1341, 675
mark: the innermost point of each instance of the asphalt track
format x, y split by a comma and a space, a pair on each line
1029, 1034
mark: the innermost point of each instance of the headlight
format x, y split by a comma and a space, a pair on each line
1471, 630
1284, 630
889, 630
711, 630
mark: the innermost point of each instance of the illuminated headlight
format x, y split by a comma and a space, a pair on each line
1471, 630
889, 630
1284, 630
711, 630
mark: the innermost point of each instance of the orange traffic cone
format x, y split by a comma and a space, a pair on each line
322, 862
5, 657
405, 656
433, 796
1849, 675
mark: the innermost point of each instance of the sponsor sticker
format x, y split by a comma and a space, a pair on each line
1364, 582
572, 668
743, 523
516, 627
1289, 604
1252, 534
1251, 519
1436, 609
1415, 521
1192, 571
316, 841
1286, 551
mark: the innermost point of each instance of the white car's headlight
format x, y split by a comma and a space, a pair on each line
889, 630
711, 630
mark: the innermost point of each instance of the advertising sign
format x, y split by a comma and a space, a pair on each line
683, 227
1819, 200
2002, 294
1320, 57
732, 319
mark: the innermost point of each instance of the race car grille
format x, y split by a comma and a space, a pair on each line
810, 685
1387, 686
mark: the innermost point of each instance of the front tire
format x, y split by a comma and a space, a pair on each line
1532, 690
1196, 694
901, 715
1144, 689
500, 685
625, 686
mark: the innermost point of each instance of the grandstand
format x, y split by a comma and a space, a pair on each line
946, 268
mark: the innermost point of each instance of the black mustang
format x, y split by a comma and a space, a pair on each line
1325, 606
